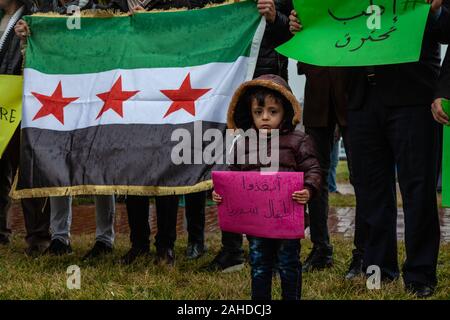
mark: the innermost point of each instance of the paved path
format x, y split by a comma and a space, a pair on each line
341, 220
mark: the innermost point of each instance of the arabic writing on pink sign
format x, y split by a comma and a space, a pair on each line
260, 205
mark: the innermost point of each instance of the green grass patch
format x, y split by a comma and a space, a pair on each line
45, 277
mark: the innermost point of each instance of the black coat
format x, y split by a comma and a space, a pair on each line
270, 61
408, 84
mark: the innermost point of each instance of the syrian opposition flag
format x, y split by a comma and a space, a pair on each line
101, 102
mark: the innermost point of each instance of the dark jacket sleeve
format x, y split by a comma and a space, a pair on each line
439, 28
308, 163
443, 87
280, 27
442, 30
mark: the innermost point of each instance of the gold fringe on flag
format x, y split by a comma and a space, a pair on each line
89, 190
110, 13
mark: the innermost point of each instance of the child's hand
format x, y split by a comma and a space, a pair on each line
301, 197
216, 198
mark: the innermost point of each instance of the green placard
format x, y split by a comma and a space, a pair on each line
358, 32
446, 158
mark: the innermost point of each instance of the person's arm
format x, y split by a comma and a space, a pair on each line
308, 163
438, 23
22, 30
277, 18
442, 92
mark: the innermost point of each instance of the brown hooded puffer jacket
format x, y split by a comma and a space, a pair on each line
297, 151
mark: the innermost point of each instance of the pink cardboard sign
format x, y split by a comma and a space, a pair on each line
260, 205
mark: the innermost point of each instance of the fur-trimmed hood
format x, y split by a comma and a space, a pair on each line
269, 81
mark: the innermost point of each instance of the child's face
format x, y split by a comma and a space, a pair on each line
269, 116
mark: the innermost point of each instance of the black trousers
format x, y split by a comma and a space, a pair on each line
166, 218
318, 207
36, 211
384, 139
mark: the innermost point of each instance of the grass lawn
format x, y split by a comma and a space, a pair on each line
45, 277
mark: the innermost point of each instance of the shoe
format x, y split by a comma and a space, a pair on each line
165, 256
36, 250
226, 262
99, 249
355, 269
420, 290
58, 248
133, 254
195, 250
318, 259
4, 240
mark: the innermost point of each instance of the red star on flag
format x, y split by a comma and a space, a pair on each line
53, 104
184, 98
115, 98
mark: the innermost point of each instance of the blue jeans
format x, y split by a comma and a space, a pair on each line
332, 187
264, 253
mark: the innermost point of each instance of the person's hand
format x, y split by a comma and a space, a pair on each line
301, 197
267, 9
216, 197
135, 9
438, 113
294, 23
435, 5
22, 30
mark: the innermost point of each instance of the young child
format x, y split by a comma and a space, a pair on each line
267, 103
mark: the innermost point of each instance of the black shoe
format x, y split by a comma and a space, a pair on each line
4, 240
133, 254
99, 249
58, 248
195, 250
420, 290
355, 269
226, 262
165, 256
318, 259
36, 250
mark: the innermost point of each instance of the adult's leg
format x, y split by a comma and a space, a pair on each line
8, 168
414, 139
360, 234
195, 216
5, 201
138, 208
166, 211
36, 212
374, 183
61, 218
318, 207
104, 217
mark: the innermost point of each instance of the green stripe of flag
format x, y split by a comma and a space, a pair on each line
145, 40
